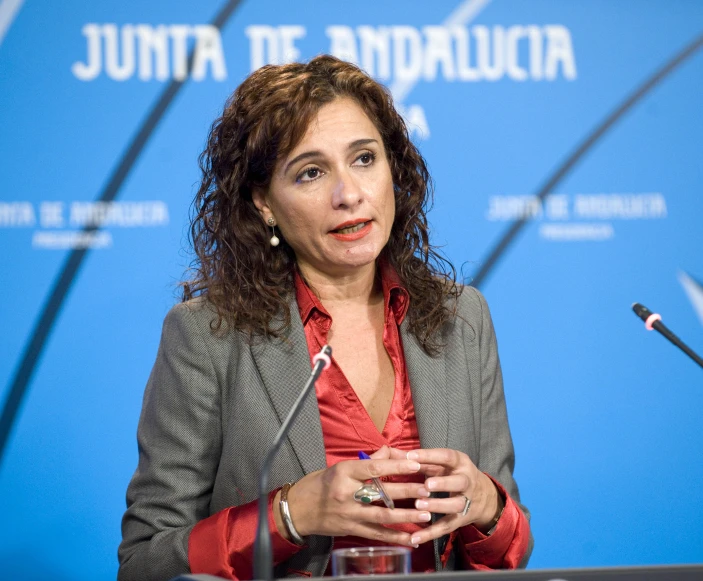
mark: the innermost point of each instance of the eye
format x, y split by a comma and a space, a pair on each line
366, 158
308, 174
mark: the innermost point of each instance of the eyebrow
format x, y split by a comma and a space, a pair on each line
309, 154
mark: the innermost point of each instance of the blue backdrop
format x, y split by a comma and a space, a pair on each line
97, 102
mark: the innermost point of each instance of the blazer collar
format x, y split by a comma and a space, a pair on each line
285, 366
428, 383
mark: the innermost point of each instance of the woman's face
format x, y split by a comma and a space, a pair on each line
332, 195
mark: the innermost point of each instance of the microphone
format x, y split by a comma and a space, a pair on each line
654, 321
263, 559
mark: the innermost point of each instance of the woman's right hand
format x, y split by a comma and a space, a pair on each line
322, 502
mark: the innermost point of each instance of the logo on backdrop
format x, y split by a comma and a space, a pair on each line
61, 225
398, 55
577, 217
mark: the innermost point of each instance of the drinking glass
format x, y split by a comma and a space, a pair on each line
371, 561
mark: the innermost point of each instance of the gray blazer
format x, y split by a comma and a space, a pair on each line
213, 404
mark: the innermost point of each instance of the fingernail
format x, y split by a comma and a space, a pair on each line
416, 546
415, 541
412, 456
423, 492
414, 466
420, 504
431, 484
425, 516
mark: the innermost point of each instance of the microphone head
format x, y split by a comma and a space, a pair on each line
324, 356
641, 311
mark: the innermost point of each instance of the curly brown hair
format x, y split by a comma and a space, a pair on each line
248, 282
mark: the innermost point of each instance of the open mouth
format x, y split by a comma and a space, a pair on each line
350, 229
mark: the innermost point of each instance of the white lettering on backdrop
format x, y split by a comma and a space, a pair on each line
152, 52
578, 216
457, 53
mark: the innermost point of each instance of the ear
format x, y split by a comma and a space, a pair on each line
258, 196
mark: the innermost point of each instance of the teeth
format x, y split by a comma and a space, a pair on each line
352, 229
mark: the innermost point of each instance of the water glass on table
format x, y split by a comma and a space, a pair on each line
371, 561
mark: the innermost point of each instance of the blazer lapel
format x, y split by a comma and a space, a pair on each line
428, 384
285, 367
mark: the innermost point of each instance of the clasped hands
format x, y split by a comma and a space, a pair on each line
322, 502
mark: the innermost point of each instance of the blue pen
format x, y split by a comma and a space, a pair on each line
387, 500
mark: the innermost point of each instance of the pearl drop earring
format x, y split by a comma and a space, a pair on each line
274, 241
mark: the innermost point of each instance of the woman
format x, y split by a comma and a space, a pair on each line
310, 229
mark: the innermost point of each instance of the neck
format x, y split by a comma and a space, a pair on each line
357, 286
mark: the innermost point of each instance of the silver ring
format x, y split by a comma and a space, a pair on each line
467, 504
367, 494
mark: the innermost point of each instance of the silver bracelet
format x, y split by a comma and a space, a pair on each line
285, 515
495, 520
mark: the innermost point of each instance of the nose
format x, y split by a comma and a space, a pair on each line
346, 192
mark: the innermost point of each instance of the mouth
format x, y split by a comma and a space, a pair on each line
351, 229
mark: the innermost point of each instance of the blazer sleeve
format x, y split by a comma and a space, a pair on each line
497, 458
168, 528
179, 438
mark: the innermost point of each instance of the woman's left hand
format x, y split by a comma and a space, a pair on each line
453, 472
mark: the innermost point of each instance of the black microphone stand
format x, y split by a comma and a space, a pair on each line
263, 560
653, 321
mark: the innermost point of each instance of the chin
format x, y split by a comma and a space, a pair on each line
361, 255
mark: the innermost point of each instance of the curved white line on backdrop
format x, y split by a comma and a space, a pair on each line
464, 13
8, 12
694, 291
